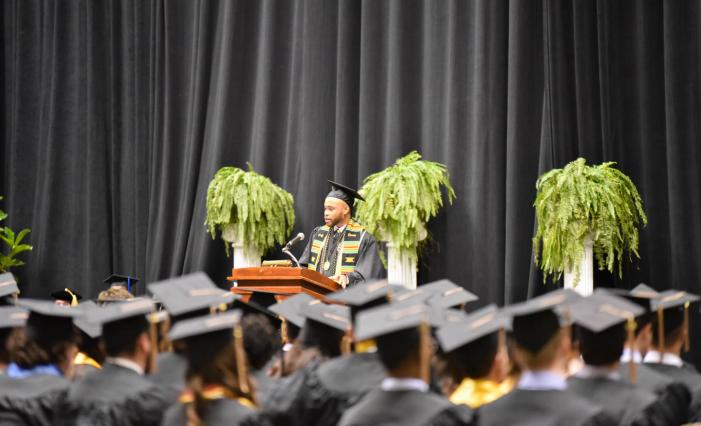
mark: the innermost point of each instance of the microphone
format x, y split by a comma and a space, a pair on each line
299, 237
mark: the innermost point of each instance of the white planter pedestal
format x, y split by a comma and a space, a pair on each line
401, 268
585, 286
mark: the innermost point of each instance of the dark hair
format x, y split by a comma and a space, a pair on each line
46, 341
475, 359
92, 347
293, 331
326, 339
121, 336
211, 359
355, 310
397, 347
602, 348
259, 340
10, 339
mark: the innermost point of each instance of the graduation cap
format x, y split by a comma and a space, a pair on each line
11, 317
92, 330
537, 320
66, 295
48, 322
447, 294
114, 313
603, 310
444, 317
388, 319
290, 308
8, 285
334, 316
363, 297
116, 280
206, 335
192, 293
344, 193
478, 324
404, 295
672, 307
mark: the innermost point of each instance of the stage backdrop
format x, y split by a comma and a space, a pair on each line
116, 114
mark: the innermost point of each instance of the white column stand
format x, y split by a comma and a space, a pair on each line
585, 286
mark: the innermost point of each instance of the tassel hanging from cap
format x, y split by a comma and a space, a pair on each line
74, 298
631, 325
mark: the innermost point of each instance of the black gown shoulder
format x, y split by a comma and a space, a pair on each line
31, 401
218, 412
542, 408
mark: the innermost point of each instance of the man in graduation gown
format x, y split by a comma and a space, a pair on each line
402, 333
542, 345
342, 249
670, 337
34, 383
119, 393
605, 323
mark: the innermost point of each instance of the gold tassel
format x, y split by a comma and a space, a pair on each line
660, 330
686, 327
74, 298
153, 335
425, 347
283, 331
632, 369
346, 343
241, 368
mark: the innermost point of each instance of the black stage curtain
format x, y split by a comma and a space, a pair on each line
116, 114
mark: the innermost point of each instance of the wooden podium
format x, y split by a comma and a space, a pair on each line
282, 282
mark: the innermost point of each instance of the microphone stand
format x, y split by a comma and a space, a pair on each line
287, 251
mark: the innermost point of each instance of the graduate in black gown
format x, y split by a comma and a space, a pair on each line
91, 353
39, 374
294, 353
120, 393
403, 335
12, 321
477, 356
542, 346
342, 249
671, 336
184, 297
218, 391
606, 322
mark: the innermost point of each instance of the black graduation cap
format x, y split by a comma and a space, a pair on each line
49, 322
93, 330
391, 318
116, 280
8, 285
68, 296
447, 294
290, 308
642, 298
536, 321
11, 317
334, 316
344, 193
117, 312
602, 310
190, 293
204, 325
474, 326
364, 296
404, 295
672, 307
444, 317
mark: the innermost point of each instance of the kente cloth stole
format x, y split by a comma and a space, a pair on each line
348, 255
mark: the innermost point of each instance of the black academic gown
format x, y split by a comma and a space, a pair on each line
368, 266
623, 401
688, 376
31, 401
542, 408
320, 393
170, 371
218, 412
115, 396
405, 408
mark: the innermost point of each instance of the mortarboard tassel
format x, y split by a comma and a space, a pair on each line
630, 328
241, 370
346, 342
74, 298
153, 335
283, 330
686, 327
129, 284
660, 331
425, 347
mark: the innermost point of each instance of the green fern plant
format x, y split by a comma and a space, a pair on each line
14, 245
401, 199
579, 201
248, 205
